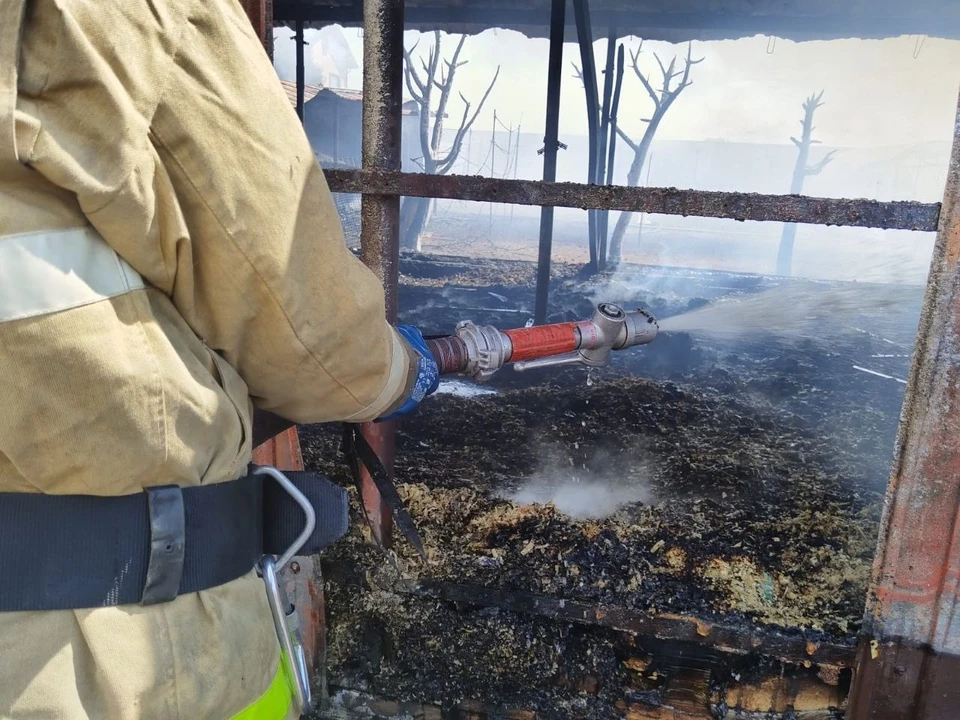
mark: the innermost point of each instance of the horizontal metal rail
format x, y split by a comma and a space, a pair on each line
898, 215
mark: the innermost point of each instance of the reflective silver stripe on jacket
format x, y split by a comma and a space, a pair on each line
51, 271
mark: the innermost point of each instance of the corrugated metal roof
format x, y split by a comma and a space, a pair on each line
356, 95
309, 91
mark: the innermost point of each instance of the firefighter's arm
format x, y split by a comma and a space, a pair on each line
264, 276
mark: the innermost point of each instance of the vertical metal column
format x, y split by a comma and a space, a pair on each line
551, 144
909, 660
380, 214
298, 40
301, 579
283, 450
256, 10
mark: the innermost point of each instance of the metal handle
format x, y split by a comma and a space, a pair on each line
574, 358
310, 516
284, 615
290, 644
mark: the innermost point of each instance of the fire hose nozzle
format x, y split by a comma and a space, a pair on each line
639, 328
610, 328
478, 352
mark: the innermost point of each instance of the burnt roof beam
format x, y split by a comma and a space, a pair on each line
936, 22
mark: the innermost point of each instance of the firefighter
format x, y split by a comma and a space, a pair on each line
170, 256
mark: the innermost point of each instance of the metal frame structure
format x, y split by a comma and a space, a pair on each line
908, 661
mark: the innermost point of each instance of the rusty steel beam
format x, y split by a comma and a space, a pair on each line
282, 451
899, 215
551, 144
380, 213
280, 448
256, 11
301, 72
909, 665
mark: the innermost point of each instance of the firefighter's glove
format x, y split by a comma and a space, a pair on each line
428, 374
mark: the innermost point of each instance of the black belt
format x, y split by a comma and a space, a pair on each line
61, 552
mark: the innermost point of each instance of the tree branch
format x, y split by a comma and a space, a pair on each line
816, 169
465, 124
626, 138
410, 72
421, 96
445, 89
663, 70
668, 75
634, 57
689, 63
578, 71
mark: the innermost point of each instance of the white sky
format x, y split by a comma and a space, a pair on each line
876, 91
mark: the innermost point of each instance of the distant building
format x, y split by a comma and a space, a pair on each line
309, 91
331, 56
332, 121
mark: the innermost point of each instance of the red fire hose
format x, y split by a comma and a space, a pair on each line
481, 351
478, 352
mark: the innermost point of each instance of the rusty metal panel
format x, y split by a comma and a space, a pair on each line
380, 213
899, 215
262, 23
282, 451
910, 656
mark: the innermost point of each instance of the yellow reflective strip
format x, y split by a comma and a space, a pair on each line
56, 270
274, 704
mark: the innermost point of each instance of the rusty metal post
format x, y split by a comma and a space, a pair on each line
551, 144
301, 579
283, 450
909, 658
298, 39
256, 10
890, 215
380, 214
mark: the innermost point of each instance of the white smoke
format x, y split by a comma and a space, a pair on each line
592, 490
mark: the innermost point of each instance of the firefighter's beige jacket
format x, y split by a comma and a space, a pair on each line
169, 255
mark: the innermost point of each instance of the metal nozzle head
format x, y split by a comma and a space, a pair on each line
611, 311
641, 327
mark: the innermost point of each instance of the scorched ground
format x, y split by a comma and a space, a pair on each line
752, 472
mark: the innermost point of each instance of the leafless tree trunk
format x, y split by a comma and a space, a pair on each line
416, 212
662, 100
800, 171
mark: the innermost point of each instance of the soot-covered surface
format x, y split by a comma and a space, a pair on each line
735, 481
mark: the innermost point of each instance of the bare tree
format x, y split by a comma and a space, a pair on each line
606, 153
801, 171
435, 76
662, 99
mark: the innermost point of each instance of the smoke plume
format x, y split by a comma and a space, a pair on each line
594, 489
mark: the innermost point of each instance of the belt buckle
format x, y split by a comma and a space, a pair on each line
284, 612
